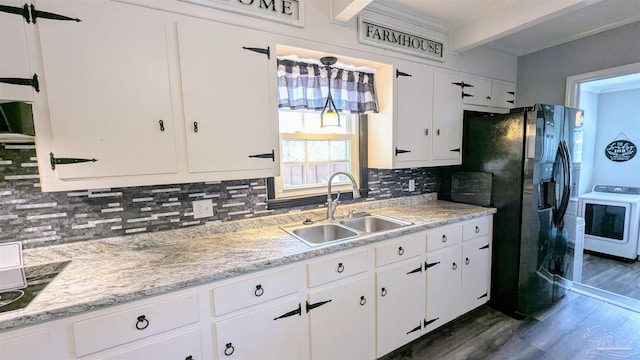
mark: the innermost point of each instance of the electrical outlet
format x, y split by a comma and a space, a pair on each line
202, 208
412, 185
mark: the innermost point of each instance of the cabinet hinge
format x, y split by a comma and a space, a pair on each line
455, 150
24, 11
271, 155
400, 73
511, 92
400, 151
417, 270
464, 95
64, 161
417, 328
483, 296
462, 84
297, 311
35, 14
33, 82
318, 304
484, 247
510, 101
426, 266
266, 51
430, 321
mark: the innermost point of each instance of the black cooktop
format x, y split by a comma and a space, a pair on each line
37, 279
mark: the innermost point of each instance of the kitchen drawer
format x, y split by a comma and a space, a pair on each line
118, 328
337, 267
254, 290
442, 237
475, 228
402, 248
183, 345
35, 345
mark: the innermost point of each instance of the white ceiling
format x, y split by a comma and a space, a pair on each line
517, 27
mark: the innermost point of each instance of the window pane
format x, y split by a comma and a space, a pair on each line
293, 151
340, 166
293, 174
318, 150
339, 150
318, 173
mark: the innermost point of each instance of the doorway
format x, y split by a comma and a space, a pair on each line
605, 277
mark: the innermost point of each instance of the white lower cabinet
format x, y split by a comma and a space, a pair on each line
400, 304
341, 320
355, 304
273, 332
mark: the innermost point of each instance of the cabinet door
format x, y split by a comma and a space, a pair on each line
414, 92
35, 345
447, 118
400, 306
443, 286
228, 94
185, 345
341, 321
476, 272
503, 94
14, 54
275, 332
476, 90
107, 83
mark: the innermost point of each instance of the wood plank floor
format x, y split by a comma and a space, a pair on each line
577, 327
612, 275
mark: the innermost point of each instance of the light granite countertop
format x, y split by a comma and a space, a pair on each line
116, 270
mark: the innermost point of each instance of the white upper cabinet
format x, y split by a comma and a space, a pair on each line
503, 94
15, 70
108, 89
420, 118
447, 119
228, 80
476, 90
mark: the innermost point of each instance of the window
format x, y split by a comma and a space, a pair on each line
310, 154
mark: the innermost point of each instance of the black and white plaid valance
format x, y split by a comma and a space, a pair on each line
303, 85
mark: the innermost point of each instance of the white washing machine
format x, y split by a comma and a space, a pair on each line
612, 220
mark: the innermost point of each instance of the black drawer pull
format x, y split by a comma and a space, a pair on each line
454, 266
363, 300
161, 123
142, 323
189, 358
229, 349
477, 229
195, 126
444, 238
467, 261
400, 251
259, 290
383, 292
340, 268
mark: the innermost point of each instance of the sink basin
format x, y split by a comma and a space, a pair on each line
315, 235
373, 223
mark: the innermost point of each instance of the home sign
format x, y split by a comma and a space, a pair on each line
286, 11
620, 150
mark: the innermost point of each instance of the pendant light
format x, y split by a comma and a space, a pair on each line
329, 115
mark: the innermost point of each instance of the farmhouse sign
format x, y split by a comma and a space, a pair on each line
286, 11
384, 36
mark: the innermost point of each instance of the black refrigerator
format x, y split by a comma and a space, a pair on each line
528, 153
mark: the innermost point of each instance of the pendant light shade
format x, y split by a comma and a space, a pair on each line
329, 115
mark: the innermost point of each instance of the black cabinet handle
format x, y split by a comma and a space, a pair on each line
161, 123
189, 358
444, 238
65, 161
271, 155
297, 311
400, 251
318, 304
383, 292
33, 82
340, 268
454, 266
195, 126
477, 229
229, 349
467, 261
400, 73
258, 291
142, 322
266, 51
438, 132
363, 300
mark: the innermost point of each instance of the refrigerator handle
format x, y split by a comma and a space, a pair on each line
565, 157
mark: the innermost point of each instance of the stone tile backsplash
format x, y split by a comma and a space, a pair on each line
40, 219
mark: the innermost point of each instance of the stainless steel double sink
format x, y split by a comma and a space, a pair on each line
339, 230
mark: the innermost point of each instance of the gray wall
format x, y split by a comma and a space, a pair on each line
542, 75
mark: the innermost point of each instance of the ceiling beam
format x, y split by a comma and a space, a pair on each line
344, 10
513, 16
